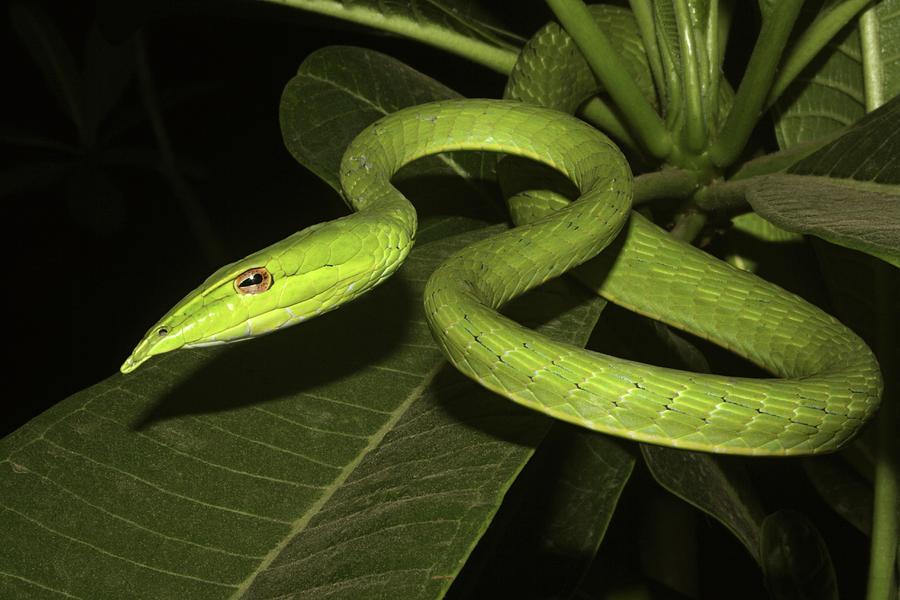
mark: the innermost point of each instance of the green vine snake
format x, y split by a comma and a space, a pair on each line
828, 382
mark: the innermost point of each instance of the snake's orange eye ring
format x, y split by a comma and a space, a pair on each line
253, 281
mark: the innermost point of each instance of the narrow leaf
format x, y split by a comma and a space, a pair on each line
796, 561
846, 192
845, 491
716, 485
838, 211
548, 530
827, 95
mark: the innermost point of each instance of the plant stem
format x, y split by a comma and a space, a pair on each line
885, 525
643, 14
728, 197
499, 56
811, 43
873, 68
882, 584
610, 70
713, 60
688, 224
695, 126
669, 184
597, 112
755, 85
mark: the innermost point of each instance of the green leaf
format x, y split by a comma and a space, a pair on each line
828, 94
795, 558
462, 27
846, 192
342, 458
52, 56
868, 152
553, 519
716, 485
837, 211
845, 491
338, 91
888, 13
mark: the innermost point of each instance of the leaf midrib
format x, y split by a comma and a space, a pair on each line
299, 525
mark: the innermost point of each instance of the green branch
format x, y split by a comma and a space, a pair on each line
882, 584
756, 83
695, 124
885, 523
598, 113
604, 61
498, 57
811, 43
643, 15
872, 64
667, 184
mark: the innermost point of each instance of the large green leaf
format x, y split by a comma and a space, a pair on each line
553, 519
340, 458
715, 485
847, 192
463, 27
827, 94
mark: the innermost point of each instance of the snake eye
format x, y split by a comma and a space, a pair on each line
162, 331
253, 281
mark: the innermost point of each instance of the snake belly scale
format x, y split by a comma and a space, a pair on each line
829, 382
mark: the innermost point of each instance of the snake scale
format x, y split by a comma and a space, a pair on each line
827, 382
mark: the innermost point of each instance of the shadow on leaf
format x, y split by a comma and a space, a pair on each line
289, 362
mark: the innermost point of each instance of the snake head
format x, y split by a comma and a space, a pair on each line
311, 272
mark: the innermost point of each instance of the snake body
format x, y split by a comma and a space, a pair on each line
828, 381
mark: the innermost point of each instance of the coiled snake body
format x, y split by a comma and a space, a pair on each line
828, 381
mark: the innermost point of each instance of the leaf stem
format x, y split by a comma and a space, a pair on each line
498, 56
665, 184
755, 85
885, 518
695, 126
885, 525
598, 112
604, 61
643, 14
872, 66
811, 42
713, 59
